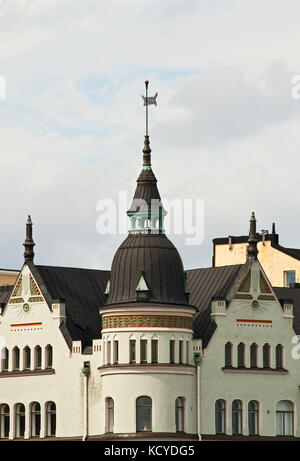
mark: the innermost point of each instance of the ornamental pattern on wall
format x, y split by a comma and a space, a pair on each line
264, 286
33, 287
139, 321
18, 288
246, 283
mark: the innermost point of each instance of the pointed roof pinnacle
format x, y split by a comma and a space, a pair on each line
252, 250
147, 154
29, 243
146, 150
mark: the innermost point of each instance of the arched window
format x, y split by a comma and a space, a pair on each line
284, 418
48, 356
143, 414
253, 355
37, 357
4, 359
50, 419
236, 417
253, 417
4, 420
279, 356
109, 415
241, 355
266, 355
26, 357
220, 416
228, 354
35, 419
19, 420
179, 414
16, 358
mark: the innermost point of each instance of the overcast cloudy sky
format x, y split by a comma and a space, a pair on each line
226, 128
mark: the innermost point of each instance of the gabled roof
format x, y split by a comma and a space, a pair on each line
293, 252
83, 291
204, 284
5, 292
292, 294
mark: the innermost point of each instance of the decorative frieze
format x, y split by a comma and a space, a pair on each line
146, 321
16, 301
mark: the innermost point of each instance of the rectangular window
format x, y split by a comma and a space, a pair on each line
143, 350
132, 350
241, 355
172, 351
108, 352
154, 350
228, 355
180, 351
289, 278
116, 351
187, 350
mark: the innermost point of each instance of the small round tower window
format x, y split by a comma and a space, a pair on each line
255, 304
26, 307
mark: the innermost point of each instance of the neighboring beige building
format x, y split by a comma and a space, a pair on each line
281, 264
8, 277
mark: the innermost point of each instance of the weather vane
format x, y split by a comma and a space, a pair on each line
147, 101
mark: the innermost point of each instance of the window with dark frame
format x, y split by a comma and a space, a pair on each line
154, 350
132, 350
143, 350
172, 351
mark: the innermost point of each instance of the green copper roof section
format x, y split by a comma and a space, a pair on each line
147, 167
142, 285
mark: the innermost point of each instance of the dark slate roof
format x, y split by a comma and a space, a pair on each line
154, 256
204, 284
83, 291
244, 239
293, 252
5, 292
292, 294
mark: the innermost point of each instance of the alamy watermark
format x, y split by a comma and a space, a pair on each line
296, 348
295, 93
176, 216
2, 87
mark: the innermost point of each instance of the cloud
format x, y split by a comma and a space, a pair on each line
226, 128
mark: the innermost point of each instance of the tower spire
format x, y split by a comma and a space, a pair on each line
146, 150
29, 243
252, 240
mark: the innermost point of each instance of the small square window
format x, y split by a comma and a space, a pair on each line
289, 278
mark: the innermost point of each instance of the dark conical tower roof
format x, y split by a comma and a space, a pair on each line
158, 260
146, 196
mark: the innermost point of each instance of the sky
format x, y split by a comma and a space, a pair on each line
225, 132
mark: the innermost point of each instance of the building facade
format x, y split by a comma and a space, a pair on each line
148, 349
